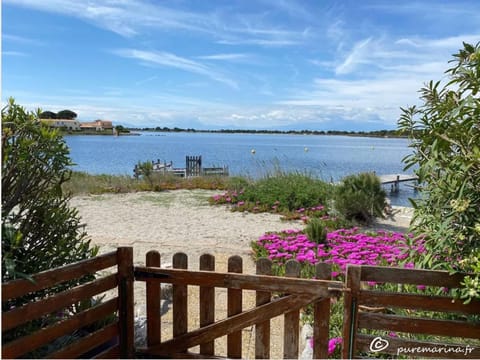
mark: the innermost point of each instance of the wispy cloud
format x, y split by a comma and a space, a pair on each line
226, 57
14, 53
171, 60
357, 55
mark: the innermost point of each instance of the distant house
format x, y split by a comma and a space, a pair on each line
97, 125
65, 124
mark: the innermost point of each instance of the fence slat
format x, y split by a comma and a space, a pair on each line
125, 301
33, 341
240, 281
180, 298
34, 310
153, 290
262, 330
207, 303
87, 343
230, 325
411, 276
291, 318
45, 279
418, 302
350, 311
418, 325
234, 307
321, 316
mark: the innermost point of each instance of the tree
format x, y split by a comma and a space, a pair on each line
445, 134
39, 229
66, 114
47, 115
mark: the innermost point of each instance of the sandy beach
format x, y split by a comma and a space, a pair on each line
183, 221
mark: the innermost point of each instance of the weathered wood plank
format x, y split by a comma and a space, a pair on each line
240, 281
180, 298
34, 310
87, 343
111, 353
379, 321
321, 316
153, 291
126, 301
23, 345
419, 302
422, 349
411, 276
234, 307
232, 324
207, 304
350, 320
262, 330
45, 279
291, 320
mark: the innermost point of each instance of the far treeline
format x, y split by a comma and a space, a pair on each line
376, 133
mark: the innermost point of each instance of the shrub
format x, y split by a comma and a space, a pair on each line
445, 136
316, 230
39, 229
360, 197
287, 192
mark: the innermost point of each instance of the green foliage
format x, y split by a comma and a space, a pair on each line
316, 230
39, 229
47, 115
66, 114
286, 192
445, 136
360, 198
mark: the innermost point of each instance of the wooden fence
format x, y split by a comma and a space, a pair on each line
296, 294
274, 296
113, 339
367, 309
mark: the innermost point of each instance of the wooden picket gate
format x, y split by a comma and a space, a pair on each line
274, 296
292, 293
359, 317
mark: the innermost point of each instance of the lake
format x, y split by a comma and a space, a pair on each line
254, 155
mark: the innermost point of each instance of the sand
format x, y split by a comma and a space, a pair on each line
183, 221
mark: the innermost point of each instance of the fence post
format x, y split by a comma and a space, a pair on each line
180, 298
262, 330
126, 302
234, 340
153, 302
291, 319
321, 316
207, 303
350, 310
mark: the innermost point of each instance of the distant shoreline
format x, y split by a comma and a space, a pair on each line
376, 133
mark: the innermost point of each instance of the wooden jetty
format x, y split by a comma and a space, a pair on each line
396, 179
193, 167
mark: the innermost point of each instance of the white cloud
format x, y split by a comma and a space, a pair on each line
358, 55
172, 60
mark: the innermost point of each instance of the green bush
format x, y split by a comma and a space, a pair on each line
39, 229
287, 191
445, 144
360, 198
316, 230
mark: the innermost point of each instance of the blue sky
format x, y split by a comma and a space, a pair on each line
249, 64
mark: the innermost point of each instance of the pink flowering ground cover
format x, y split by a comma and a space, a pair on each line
342, 247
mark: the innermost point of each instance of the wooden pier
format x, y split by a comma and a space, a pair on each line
396, 179
193, 167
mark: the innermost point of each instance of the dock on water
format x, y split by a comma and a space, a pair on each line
396, 179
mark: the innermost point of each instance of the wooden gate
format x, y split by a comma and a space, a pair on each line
193, 165
369, 311
274, 296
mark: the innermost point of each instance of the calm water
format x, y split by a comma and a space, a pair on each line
326, 157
